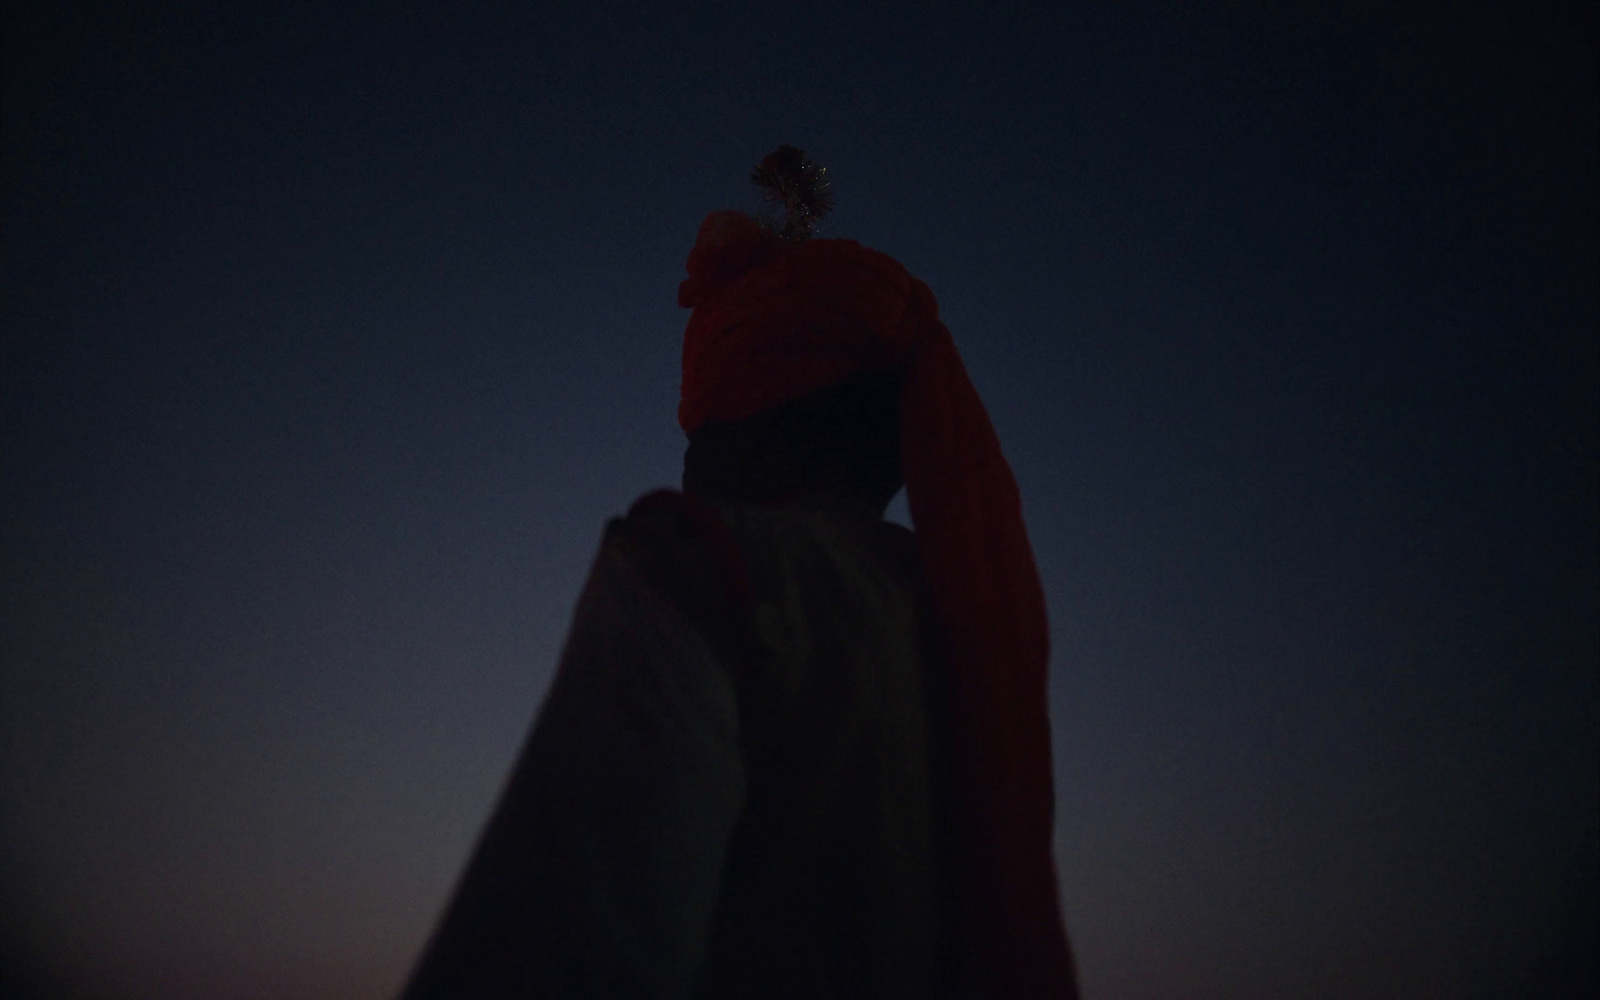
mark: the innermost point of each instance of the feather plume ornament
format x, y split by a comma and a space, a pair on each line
799, 186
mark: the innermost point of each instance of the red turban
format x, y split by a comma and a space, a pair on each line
773, 322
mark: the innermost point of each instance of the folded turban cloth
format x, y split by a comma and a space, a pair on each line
774, 321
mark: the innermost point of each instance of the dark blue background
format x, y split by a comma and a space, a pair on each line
331, 340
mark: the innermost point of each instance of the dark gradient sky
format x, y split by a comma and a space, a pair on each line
330, 342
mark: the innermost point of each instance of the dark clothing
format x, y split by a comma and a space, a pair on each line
736, 785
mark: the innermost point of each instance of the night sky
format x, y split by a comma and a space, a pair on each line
330, 342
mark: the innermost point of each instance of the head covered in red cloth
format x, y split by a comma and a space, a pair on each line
777, 317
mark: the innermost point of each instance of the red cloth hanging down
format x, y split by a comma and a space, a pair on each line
773, 322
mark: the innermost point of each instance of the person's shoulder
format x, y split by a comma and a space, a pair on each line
897, 546
684, 548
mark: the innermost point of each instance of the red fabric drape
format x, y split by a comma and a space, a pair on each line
773, 322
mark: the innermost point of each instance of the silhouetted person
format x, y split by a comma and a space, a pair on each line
791, 750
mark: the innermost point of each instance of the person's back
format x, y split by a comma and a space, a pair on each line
833, 883
750, 700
